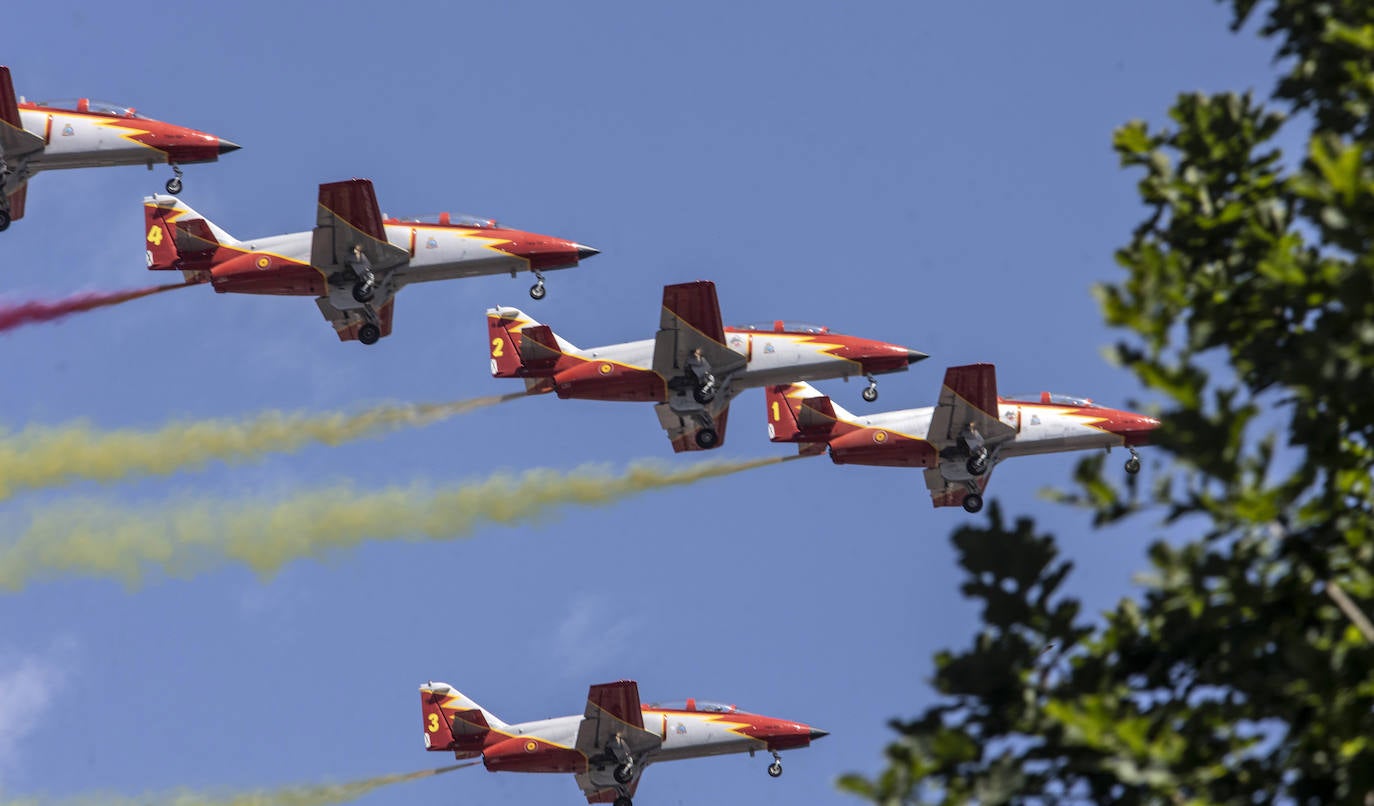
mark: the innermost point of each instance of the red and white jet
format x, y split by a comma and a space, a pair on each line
961, 438
691, 368
82, 133
354, 261
608, 747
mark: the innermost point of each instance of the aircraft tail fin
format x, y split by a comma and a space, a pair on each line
521, 347
454, 722
799, 413
180, 239
14, 139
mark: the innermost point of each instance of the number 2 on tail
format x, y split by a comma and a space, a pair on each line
498, 347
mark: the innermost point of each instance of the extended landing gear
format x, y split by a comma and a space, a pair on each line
369, 333
977, 464
624, 773
870, 393
707, 438
775, 769
174, 184
4, 220
973, 502
537, 291
364, 291
623, 800
1133, 464
705, 391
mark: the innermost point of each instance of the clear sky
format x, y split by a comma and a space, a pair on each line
933, 174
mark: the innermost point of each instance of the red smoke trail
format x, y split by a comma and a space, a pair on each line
28, 313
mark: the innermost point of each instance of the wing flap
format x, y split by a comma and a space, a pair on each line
969, 395
613, 718
683, 427
690, 320
15, 141
347, 323
348, 216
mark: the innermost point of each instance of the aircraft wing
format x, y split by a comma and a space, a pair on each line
15, 141
348, 216
969, 395
346, 323
613, 727
682, 428
945, 493
690, 320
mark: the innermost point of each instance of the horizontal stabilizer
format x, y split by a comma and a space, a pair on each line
538, 348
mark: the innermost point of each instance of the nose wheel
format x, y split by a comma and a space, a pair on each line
537, 291
775, 769
1133, 464
870, 394
174, 184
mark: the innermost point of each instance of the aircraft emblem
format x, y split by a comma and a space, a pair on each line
531, 746
68, 131
606, 369
880, 437
264, 262
432, 243
681, 728
768, 348
736, 341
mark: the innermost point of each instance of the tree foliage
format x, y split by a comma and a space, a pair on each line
1242, 672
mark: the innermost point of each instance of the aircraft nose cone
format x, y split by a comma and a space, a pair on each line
226, 146
912, 356
584, 252
819, 734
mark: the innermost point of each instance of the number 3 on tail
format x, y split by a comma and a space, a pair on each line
432, 724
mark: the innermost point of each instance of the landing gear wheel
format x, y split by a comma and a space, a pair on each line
369, 333
775, 769
977, 465
707, 438
623, 774
704, 394
1133, 465
173, 185
623, 800
537, 291
870, 394
363, 292
4, 220
973, 502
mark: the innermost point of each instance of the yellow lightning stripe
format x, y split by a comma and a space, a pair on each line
124, 131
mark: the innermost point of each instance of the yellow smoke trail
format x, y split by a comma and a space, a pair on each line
45, 456
96, 539
316, 795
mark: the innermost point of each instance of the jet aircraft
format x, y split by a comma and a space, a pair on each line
691, 368
354, 261
82, 133
608, 747
961, 438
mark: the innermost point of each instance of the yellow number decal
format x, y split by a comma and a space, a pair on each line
777, 415
497, 347
433, 722
155, 235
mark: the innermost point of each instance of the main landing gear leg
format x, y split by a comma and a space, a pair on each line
775, 769
174, 184
4, 197
537, 290
1133, 464
871, 393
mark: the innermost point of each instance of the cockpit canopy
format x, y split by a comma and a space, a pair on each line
446, 220
784, 326
693, 704
94, 107
1056, 399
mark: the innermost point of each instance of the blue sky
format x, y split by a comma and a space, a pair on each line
937, 175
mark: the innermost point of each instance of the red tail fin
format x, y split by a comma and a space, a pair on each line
462, 731
798, 413
520, 347
178, 238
